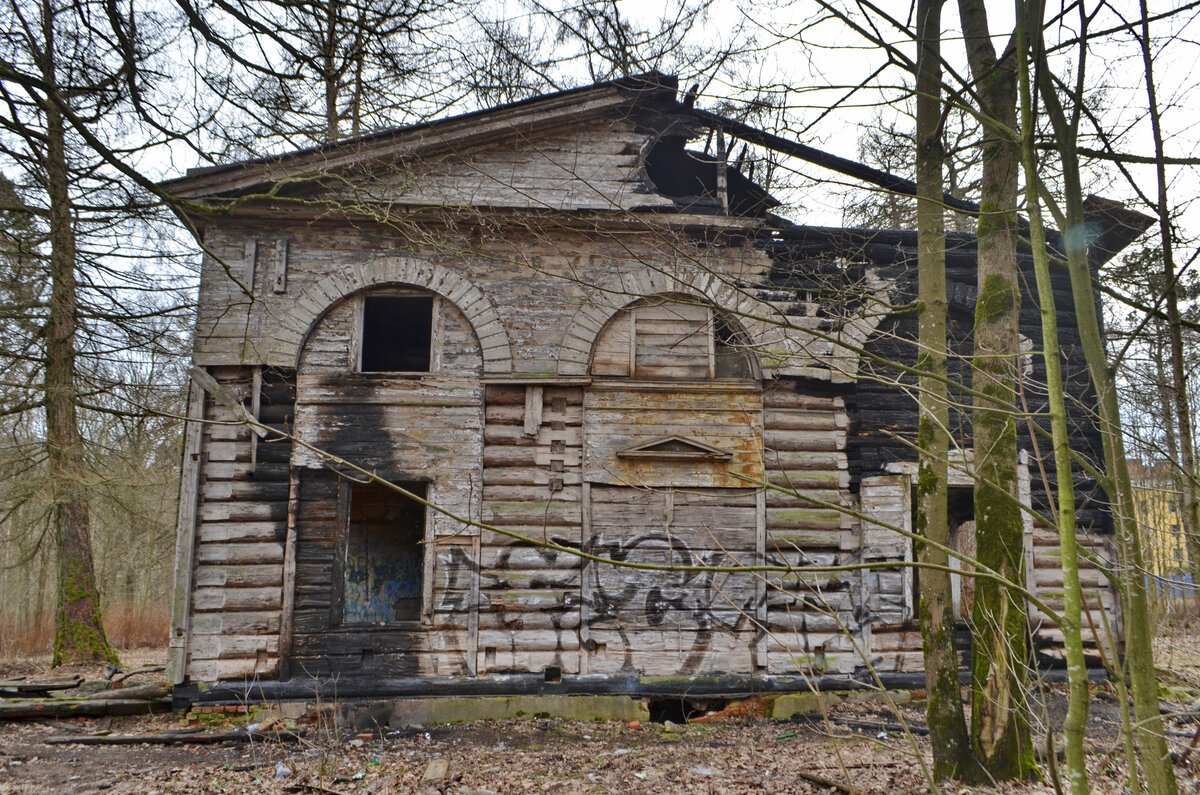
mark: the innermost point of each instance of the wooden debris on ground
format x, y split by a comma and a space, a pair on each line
21, 687
73, 697
37, 709
178, 737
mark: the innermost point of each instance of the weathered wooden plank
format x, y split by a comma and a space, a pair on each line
809, 540
716, 398
515, 415
534, 493
244, 491
569, 535
679, 519
370, 388
228, 451
215, 670
232, 647
251, 576
529, 639
233, 532
800, 499
264, 622
242, 511
517, 622
525, 557
256, 599
533, 476
793, 460
248, 553
661, 591
780, 398
501, 394
1053, 578
287, 611
799, 440
497, 661
533, 410
835, 477
611, 353
806, 519
671, 654
512, 601
494, 456
785, 420
532, 514
185, 536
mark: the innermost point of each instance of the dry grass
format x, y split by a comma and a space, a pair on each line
129, 626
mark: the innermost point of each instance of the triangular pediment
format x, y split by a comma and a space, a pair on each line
678, 448
517, 127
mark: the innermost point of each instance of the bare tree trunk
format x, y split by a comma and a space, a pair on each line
952, 756
1071, 624
330, 74
1139, 653
999, 714
1179, 385
79, 633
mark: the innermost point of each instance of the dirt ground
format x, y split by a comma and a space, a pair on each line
853, 748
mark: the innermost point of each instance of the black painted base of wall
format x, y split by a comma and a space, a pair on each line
725, 686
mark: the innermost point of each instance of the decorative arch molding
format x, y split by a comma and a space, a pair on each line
285, 345
782, 342
770, 341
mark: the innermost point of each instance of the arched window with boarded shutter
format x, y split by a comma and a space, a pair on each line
673, 336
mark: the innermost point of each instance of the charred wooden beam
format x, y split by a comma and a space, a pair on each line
817, 157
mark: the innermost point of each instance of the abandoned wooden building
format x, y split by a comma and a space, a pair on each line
569, 331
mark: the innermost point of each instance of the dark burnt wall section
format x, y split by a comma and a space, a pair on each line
423, 429
882, 405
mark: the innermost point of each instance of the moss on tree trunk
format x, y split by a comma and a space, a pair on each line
999, 714
79, 633
952, 756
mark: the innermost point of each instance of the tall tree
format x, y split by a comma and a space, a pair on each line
952, 756
1139, 656
70, 102
887, 145
1028, 14
315, 71
999, 715
47, 37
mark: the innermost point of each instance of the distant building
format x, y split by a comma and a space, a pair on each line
1159, 504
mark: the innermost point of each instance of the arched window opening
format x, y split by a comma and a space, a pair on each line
397, 332
672, 337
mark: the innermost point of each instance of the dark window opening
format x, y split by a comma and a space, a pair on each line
383, 577
397, 333
732, 357
961, 520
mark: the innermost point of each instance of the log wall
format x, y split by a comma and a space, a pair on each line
809, 616
596, 166
242, 503
529, 596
